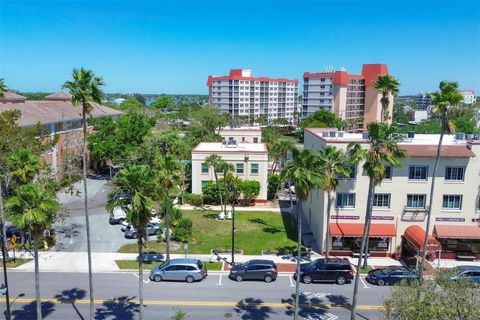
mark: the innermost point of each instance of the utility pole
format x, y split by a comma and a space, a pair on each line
4, 255
233, 222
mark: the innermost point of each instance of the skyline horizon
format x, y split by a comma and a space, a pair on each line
164, 46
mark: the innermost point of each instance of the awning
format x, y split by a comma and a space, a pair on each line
356, 229
416, 235
456, 232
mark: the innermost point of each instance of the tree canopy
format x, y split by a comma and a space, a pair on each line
322, 119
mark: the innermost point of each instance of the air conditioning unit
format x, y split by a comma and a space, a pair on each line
365, 135
332, 134
468, 136
340, 134
325, 134
411, 134
459, 136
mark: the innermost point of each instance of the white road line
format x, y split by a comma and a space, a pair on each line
291, 281
364, 283
220, 281
144, 281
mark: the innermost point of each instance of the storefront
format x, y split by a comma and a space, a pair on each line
412, 246
347, 238
458, 242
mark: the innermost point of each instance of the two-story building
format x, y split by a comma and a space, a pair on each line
400, 203
250, 161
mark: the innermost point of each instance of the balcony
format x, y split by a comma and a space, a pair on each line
414, 214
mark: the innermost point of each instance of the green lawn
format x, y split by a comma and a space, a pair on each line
133, 264
16, 263
255, 231
365, 270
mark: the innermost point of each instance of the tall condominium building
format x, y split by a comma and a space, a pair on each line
423, 100
469, 96
400, 202
349, 96
240, 94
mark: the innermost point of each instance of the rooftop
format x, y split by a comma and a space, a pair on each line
228, 128
420, 145
219, 147
242, 74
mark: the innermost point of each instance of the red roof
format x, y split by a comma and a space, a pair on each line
416, 235
318, 74
457, 232
372, 71
448, 151
236, 74
356, 229
340, 77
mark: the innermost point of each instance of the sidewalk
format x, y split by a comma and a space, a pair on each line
105, 262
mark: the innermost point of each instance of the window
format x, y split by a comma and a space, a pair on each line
353, 173
254, 168
255, 140
388, 173
346, 200
239, 168
381, 200
204, 167
455, 173
452, 202
417, 172
415, 201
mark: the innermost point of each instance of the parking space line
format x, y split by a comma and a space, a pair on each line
220, 281
364, 283
144, 281
291, 281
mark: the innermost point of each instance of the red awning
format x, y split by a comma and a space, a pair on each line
457, 232
416, 235
356, 229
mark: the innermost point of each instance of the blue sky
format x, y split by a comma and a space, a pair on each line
172, 47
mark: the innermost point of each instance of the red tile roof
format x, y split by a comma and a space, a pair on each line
447, 151
12, 97
59, 96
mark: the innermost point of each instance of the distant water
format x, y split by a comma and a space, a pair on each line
149, 101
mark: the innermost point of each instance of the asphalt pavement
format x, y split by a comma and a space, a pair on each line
65, 296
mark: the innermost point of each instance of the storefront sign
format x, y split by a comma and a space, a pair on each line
383, 218
346, 217
450, 219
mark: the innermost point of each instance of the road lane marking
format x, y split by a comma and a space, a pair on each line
202, 303
364, 283
220, 281
144, 281
291, 281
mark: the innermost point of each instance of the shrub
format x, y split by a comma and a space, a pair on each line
274, 181
210, 192
193, 199
182, 232
249, 189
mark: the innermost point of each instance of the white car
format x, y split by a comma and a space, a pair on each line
125, 223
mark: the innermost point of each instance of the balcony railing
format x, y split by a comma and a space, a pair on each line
414, 214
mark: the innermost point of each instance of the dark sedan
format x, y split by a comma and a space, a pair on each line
265, 270
392, 275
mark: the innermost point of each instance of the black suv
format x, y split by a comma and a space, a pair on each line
265, 270
333, 270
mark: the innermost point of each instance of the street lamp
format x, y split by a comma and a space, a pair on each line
234, 199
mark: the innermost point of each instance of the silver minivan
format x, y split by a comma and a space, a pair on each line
188, 270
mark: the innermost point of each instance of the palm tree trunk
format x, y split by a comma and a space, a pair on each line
85, 197
371, 190
368, 222
299, 257
218, 186
327, 236
430, 201
4, 254
37, 278
140, 274
167, 222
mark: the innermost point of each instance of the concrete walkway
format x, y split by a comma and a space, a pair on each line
257, 207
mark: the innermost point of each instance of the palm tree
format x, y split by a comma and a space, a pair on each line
383, 148
226, 169
215, 161
334, 164
24, 166
444, 102
139, 181
279, 149
387, 85
303, 170
86, 89
33, 210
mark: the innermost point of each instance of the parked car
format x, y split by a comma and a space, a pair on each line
13, 230
188, 270
471, 273
125, 223
331, 270
152, 228
265, 270
118, 215
392, 275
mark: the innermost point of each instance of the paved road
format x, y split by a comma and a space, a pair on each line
214, 298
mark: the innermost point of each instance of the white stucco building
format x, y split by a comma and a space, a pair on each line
242, 134
469, 96
401, 201
241, 94
249, 159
